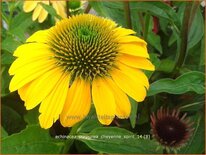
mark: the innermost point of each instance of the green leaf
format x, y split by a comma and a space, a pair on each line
158, 9
32, 116
90, 122
154, 40
196, 144
5, 80
51, 10
19, 25
89, 125
143, 114
191, 81
82, 148
3, 132
10, 44
117, 140
11, 120
166, 65
155, 61
193, 106
99, 8
7, 58
202, 54
191, 102
133, 114
196, 31
172, 39
33, 140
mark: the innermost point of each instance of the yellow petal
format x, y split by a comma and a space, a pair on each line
41, 36
42, 16
120, 32
32, 50
77, 104
131, 39
129, 85
41, 87
134, 73
36, 12
23, 91
136, 62
52, 105
28, 73
29, 6
20, 63
23, 63
60, 8
134, 50
123, 107
104, 101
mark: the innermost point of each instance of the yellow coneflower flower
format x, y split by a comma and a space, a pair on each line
82, 59
40, 13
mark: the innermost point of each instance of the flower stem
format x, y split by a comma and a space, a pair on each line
141, 20
144, 21
193, 12
184, 37
127, 14
69, 141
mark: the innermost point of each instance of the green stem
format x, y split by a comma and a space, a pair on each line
141, 19
183, 36
144, 24
69, 141
127, 14
88, 8
11, 11
146, 29
195, 7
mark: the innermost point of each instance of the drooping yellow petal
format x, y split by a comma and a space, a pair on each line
129, 85
104, 101
41, 87
134, 50
29, 5
134, 73
41, 36
42, 16
123, 107
28, 73
136, 62
53, 104
36, 12
77, 104
132, 39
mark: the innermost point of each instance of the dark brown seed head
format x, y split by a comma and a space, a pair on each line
169, 129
